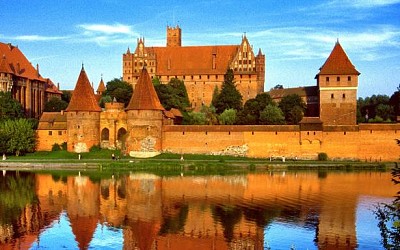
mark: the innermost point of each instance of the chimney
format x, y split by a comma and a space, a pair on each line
37, 69
58, 86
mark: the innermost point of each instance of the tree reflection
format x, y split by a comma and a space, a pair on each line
17, 190
228, 216
175, 224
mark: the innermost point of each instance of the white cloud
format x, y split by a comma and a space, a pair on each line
368, 3
33, 38
116, 28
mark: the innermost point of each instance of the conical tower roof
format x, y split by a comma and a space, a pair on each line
144, 96
338, 63
101, 87
83, 98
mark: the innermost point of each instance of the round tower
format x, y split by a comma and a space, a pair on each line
83, 117
144, 119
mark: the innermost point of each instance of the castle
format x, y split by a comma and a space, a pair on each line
201, 68
26, 85
145, 128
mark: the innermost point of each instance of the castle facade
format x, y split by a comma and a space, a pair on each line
201, 68
27, 86
145, 128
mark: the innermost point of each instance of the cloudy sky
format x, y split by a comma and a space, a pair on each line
296, 36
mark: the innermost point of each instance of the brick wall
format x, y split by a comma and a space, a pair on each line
374, 142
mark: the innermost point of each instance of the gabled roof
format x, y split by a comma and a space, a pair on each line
301, 91
144, 97
53, 121
83, 98
338, 63
13, 61
193, 59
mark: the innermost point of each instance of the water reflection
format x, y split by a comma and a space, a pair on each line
306, 210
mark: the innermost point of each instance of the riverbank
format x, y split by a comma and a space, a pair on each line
183, 163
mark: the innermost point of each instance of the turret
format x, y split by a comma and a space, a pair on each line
337, 82
83, 117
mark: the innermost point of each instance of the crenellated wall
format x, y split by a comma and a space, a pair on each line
371, 142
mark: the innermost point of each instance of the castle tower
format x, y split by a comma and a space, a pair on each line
101, 87
144, 117
337, 82
83, 117
260, 69
127, 66
174, 36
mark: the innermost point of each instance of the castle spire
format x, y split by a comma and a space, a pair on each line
83, 98
144, 97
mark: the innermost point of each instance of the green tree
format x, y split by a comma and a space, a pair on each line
173, 94
21, 136
388, 215
120, 90
229, 97
250, 114
194, 118
385, 111
66, 95
104, 100
394, 101
209, 114
215, 96
55, 105
9, 108
293, 107
272, 114
228, 117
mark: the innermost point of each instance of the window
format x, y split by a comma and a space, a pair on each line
50, 132
332, 96
349, 78
59, 132
344, 96
338, 79
327, 79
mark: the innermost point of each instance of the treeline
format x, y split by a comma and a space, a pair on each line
379, 108
17, 133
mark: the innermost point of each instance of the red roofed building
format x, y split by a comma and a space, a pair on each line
27, 86
200, 67
337, 81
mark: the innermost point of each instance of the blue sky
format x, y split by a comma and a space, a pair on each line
295, 36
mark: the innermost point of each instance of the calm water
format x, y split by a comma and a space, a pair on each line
272, 210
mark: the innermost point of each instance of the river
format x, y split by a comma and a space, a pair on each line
255, 210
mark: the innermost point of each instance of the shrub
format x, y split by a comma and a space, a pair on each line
95, 148
55, 147
322, 157
64, 146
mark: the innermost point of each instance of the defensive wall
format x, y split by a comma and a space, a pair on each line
366, 142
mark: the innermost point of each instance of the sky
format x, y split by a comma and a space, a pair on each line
295, 36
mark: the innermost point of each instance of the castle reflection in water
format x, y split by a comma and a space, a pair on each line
188, 212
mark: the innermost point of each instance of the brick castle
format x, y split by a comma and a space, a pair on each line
145, 128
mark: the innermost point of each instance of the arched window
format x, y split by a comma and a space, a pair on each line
121, 134
105, 134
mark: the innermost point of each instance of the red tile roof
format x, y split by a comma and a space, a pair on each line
338, 63
13, 61
83, 98
53, 121
193, 59
101, 87
52, 88
144, 97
